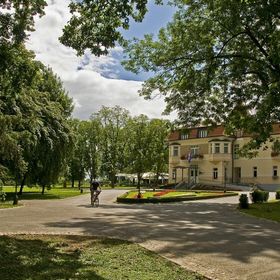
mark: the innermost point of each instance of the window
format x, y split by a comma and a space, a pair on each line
215, 173
202, 133
275, 171
175, 151
235, 151
194, 150
174, 174
217, 148
226, 148
184, 136
255, 172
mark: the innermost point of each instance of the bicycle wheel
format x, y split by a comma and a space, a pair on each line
96, 202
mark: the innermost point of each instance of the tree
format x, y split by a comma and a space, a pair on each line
17, 19
113, 139
34, 109
96, 24
94, 146
217, 62
139, 146
159, 130
76, 164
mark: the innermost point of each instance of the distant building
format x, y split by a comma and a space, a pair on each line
207, 155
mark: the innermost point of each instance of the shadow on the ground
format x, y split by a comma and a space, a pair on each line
37, 259
206, 228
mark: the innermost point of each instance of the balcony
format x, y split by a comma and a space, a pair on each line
196, 157
219, 157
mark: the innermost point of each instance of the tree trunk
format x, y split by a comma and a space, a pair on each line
43, 189
79, 184
22, 185
72, 183
65, 184
138, 185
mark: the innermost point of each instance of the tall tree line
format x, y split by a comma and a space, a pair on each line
112, 141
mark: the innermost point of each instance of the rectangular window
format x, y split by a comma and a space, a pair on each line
175, 151
217, 148
236, 151
174, 174
202, 133
275, 171
215, 173
225, 148
194, 150
184, 136
255, 172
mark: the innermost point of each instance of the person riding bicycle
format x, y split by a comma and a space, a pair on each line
95, 190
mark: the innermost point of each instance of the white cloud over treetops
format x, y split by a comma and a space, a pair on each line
91, 81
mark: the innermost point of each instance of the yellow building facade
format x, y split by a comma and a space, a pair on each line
209, 156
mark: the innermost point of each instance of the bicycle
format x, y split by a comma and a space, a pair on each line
95, 199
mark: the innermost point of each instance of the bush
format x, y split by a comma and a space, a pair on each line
259, 196
277, 196
243, 201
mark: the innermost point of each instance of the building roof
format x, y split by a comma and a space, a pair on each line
193, 132
216, 131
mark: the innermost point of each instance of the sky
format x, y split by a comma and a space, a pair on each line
92, 81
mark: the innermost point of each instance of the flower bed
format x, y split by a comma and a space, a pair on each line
169, 196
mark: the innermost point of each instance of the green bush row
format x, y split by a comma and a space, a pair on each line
277, 196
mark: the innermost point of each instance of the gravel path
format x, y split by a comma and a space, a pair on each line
209, 236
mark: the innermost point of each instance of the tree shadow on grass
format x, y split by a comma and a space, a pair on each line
34, 258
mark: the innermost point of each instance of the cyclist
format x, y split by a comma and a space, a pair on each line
95, 190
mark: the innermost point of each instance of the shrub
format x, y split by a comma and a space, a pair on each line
243, 201
277, 196
259, 196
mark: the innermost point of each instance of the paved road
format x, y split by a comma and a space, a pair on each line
210, 236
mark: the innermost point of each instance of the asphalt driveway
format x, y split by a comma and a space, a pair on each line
210, 237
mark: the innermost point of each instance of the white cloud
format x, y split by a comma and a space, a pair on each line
84, 77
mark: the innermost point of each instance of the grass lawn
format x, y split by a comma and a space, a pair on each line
35, 193
80, 257
269, 210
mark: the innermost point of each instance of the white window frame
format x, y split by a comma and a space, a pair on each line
226, 148
175, 148
202, 133
217, 148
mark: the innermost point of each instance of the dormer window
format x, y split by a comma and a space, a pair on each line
184, 136
202, 133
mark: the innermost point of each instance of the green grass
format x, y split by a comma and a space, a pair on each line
7, 204
269, 210
81, 257
35, 193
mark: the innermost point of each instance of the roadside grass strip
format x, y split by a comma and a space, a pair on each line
268, 210
83, 257
35, 193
